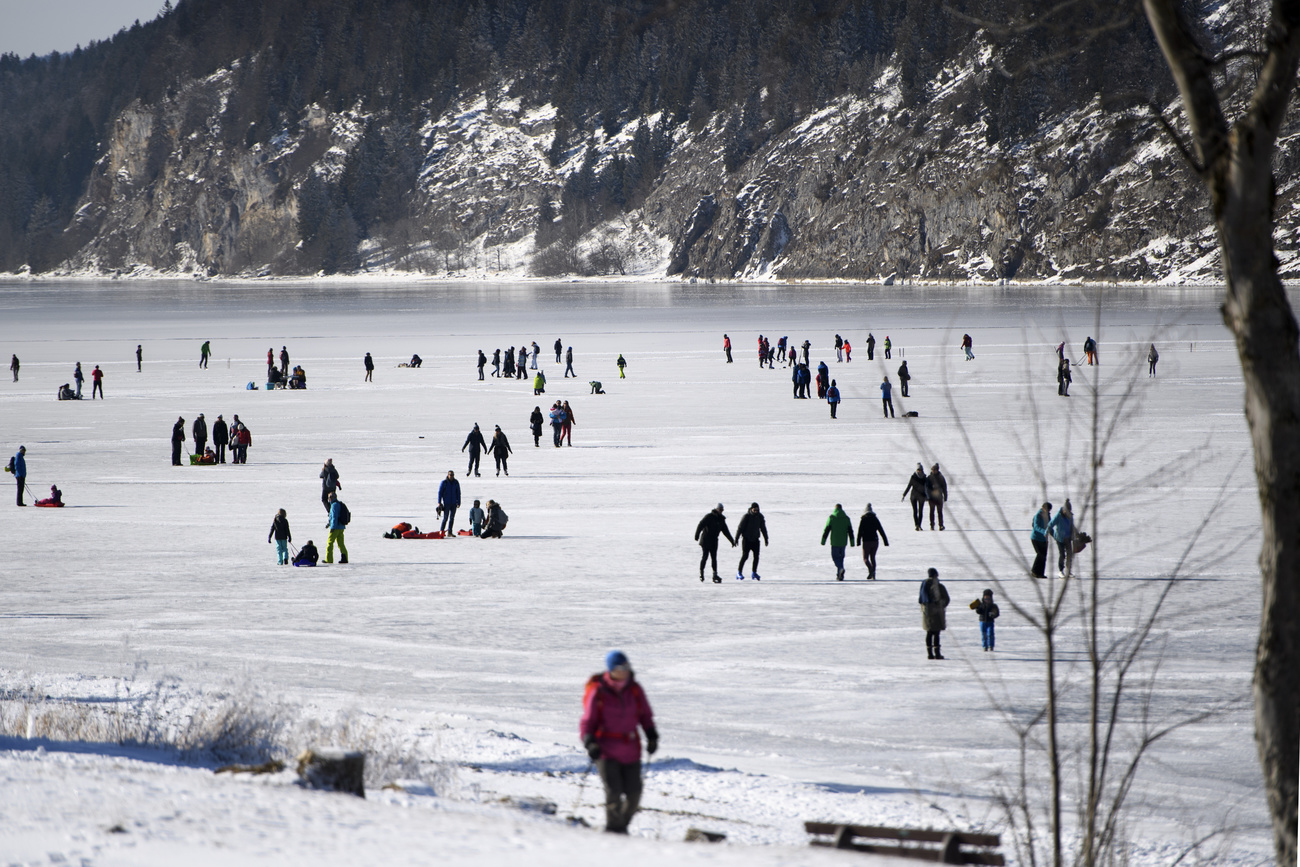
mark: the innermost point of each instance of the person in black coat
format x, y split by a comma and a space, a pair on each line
496, 362
200, 434
706, 533
482, 362
500, 449
535, 421
559, 345
936, 491
220, 438
751, 527
370, 367
916, 488
178, 437
903, 378
475, 443
329, 482
1063, 378
868, 528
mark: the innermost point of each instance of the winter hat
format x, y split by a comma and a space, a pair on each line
868, 507
719, 507
919, 467
753, 505
932, 572
988, 591
615, 659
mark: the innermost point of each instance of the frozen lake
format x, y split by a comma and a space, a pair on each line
163, 569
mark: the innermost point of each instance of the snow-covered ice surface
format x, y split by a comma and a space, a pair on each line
791, 699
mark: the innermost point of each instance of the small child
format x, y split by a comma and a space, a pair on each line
282, 536
307, 555
987, 609
476, 519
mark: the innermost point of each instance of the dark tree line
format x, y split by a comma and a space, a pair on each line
761, 63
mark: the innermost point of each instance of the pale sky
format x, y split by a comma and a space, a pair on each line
41, 26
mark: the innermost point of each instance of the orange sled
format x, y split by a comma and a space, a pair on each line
411, 534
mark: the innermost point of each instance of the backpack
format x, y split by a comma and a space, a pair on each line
9, 467
505, 519
344, 515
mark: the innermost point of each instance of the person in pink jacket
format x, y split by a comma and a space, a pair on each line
613, 705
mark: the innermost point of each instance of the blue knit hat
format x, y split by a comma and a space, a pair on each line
614, 659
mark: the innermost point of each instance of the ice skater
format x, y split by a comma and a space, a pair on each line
282, 535
622, 365
839, 348
613, 706
482, 363
887, 397
568, 364
968, 346
78, 377
871, 346
1063, 377
706, 533
888, 348
751, 527
97, 383
496, 362
500, 449
559, 345
13, 366
139, 358
1152, 358
476, 444
566, 429
1061, 529
204, 352
933, 600
537, 351
370, 372
904, 377
1090, 351
988, 612
870, 535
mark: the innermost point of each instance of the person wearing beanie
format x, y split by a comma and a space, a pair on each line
613, 706
282, 535
833, 397
868, 530
500, 450
916, 489
988, 612
839, 529
933, 600
706, 533
751, 527
1038, 538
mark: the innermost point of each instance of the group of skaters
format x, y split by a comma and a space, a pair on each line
499, 447
562, 422
234, 436
67, 391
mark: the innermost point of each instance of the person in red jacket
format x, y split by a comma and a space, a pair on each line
97, 376
613, 705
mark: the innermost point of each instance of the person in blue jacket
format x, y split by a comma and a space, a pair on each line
887, 397
20, 472
338, 522
1062, 530
833, 397
449, 501
1038, 538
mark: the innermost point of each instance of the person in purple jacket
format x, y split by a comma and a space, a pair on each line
613, 705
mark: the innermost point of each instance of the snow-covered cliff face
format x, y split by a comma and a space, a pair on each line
864, 188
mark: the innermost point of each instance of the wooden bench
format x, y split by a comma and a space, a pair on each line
912, 843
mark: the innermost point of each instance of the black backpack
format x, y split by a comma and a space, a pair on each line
344, 515
9, 467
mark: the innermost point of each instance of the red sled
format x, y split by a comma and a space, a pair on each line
48, 505
411, 534
464, 533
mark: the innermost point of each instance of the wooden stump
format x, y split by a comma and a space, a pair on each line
333, 770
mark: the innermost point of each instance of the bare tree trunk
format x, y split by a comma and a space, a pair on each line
1236, 166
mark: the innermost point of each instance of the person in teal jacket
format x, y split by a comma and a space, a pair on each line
1038, 538
839, 529
1062, 530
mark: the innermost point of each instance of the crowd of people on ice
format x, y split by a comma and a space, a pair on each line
615, 707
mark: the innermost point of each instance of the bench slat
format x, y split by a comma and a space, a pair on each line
920, 835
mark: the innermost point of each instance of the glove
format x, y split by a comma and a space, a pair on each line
651, 741
593, 748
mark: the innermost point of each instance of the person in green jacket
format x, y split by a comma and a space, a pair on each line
839, 529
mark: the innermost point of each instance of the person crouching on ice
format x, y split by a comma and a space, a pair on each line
307, 555
613, 705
